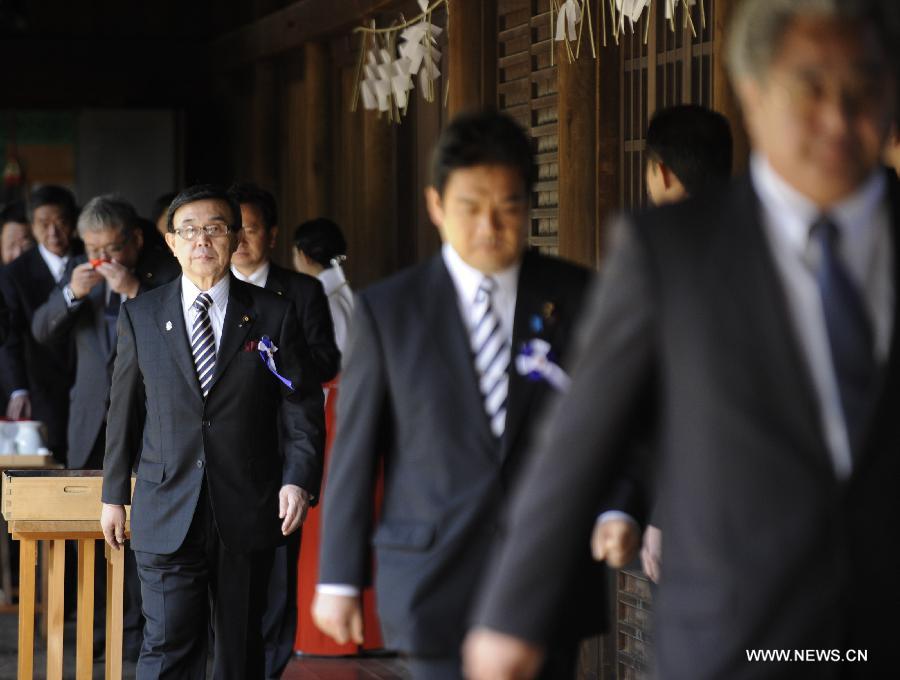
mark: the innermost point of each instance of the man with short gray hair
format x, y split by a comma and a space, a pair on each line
761, 323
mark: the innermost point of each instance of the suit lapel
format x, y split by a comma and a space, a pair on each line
238, 320
170, 317
96, 298
754, 301
440, 312
521, 390
273, 280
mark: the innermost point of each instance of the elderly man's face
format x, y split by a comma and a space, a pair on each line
15, 239
52, 228
204, 259
111, 244
822, 113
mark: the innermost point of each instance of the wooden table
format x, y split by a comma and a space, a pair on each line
19, 462
57, 506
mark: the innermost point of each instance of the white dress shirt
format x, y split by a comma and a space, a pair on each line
340, 301
55, 263
865, 248
467, 279
219, 294
257, 278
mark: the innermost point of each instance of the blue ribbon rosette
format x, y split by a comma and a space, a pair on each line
535, 362
267, 351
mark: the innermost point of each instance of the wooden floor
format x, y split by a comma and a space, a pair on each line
305, 668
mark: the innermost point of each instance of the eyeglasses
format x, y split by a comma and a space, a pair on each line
105, 250
211, 230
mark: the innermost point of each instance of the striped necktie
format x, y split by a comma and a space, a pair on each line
203, 342
492, 355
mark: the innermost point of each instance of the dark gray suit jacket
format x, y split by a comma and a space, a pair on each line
54, 323
231, 438
764, 547
409, 395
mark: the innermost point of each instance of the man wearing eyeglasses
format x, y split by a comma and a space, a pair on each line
206, 369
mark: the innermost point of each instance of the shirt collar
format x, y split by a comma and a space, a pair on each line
218, 292
257, 278
55, 263
467, 279
332, 278
793, 214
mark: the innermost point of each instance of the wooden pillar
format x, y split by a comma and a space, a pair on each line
376, 253
261, 135
27, 565
317, 174
473, 55
577, 110
724, 99
609, 69
84, 644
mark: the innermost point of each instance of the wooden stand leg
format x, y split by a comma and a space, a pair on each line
27, 564
84, 655
55, 609
5, 564
115, 592
44, 565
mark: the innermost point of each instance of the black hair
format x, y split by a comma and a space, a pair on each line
50, 194
694, 142
481, 138
321, 240
204, 192
161, 205
247, 192
13, 212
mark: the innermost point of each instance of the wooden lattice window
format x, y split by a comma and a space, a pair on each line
671, 68
527, 90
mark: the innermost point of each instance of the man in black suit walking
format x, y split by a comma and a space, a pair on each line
38, 377
762, 322
210, 391
251, 263
448, 364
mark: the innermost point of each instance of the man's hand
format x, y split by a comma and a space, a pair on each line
490, 655
293, 502
112, 521
616, 541
19, 408
120, 280
651, 553
339, 617
84, 277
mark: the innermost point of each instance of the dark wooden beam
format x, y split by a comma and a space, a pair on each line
290, 27
473, 55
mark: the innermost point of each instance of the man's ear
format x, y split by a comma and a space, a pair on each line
668, 177
435, 206
170, 240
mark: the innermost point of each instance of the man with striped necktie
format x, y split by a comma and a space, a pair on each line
208, 368
448, 366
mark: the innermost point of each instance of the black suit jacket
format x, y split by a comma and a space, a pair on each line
764, 547
231, 438
54, 322
46, 371
314, 317
409, 393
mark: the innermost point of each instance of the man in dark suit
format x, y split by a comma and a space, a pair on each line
251, 263
762, 322
207, 370
38, 377
448, 364
116, 268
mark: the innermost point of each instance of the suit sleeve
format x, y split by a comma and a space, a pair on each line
12, 354
53, 320
318, 329
125, 419
362, 406
302, 416
555, 506
4, 318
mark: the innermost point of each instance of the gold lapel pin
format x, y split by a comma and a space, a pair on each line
244, 319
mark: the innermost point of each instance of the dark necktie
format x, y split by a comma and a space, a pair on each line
111, 314
203, 342
850, 334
